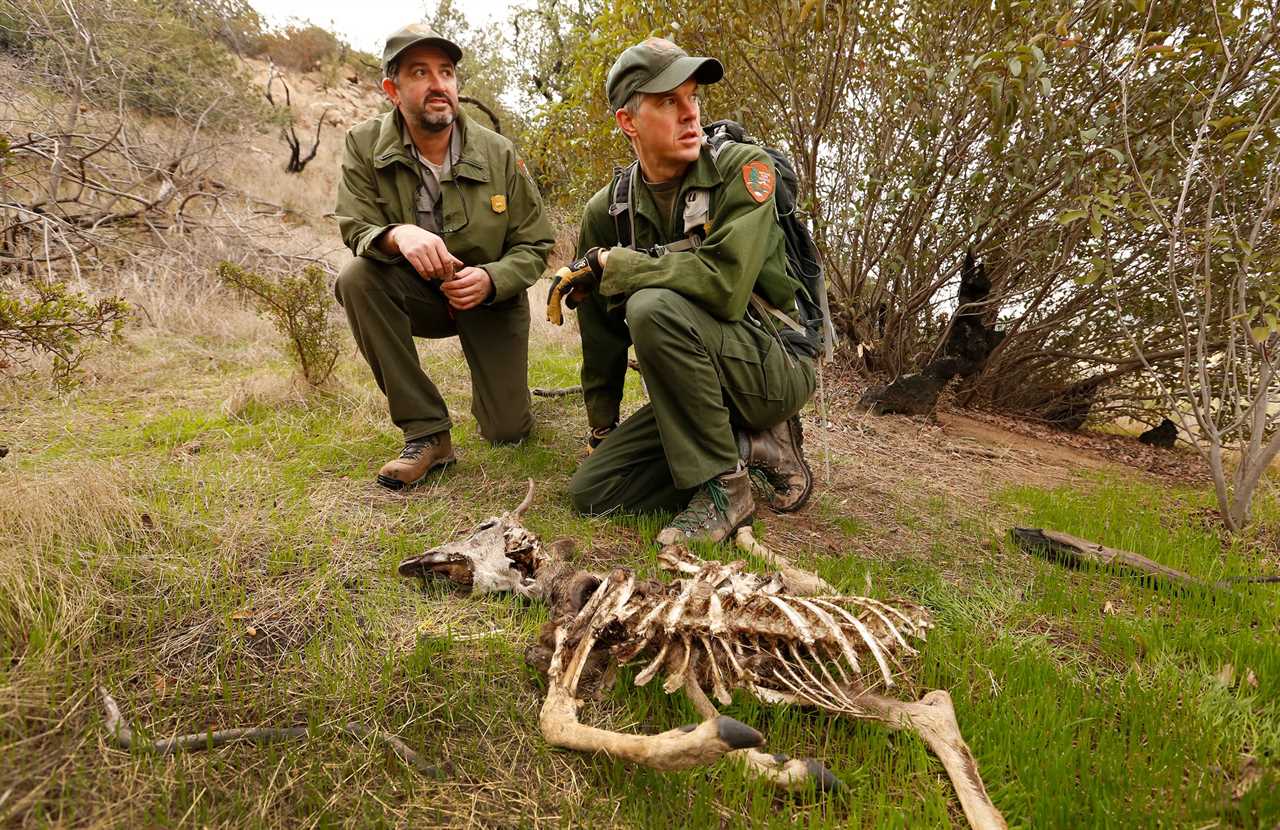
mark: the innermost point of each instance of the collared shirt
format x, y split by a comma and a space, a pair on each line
430, 175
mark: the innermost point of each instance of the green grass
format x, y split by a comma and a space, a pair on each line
152, 519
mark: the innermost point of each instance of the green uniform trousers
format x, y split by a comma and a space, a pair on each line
388, 305
705, 377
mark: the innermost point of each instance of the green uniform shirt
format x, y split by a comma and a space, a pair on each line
744, 249
491, 214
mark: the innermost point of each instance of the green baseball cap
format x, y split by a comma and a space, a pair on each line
412, 35
656, 65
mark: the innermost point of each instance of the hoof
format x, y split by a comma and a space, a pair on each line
737, 734
826, 781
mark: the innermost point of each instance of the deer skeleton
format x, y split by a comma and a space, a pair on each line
784, 638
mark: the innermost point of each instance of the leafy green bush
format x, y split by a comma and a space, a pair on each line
299, 306
49, 319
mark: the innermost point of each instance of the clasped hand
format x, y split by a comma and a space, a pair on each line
464, 286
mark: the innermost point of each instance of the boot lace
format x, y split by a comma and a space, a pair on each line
710, 500
766, 481
413, 450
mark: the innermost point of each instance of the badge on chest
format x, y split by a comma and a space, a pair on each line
498, 203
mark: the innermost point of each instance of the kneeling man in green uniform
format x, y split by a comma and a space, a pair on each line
448, 231
692, 271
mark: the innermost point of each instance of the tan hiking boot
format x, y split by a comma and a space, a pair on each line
718, 508
776, 455
419, 457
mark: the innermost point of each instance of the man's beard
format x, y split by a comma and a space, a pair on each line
437, 122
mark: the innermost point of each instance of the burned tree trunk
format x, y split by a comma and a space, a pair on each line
297, 161
968, 343
1165, 435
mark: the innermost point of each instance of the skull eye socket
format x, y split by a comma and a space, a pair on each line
485, 525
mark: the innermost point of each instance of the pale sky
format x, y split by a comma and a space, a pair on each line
365, 25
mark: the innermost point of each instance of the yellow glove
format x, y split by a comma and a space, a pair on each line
597, 435
573, 283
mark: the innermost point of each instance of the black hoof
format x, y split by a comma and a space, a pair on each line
822, 776
737, 734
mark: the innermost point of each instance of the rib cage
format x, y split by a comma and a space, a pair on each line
726, 628
716, 627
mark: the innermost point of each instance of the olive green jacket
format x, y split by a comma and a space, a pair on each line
744, 249
492, 212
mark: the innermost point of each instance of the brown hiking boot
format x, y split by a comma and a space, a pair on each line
718, 508
419, 457
776, 455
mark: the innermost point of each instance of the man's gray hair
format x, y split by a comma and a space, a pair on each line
632, 106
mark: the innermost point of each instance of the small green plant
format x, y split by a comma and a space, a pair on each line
48, 318
299, 306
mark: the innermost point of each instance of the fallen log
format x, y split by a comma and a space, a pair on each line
1076, 552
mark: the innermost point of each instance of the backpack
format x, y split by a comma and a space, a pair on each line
814, 333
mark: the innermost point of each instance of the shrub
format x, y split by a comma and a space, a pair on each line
49, 319
299, 307
301, 48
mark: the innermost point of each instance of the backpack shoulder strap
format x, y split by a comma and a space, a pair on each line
624, 218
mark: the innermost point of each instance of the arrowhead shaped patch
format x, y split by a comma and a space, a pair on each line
759, 180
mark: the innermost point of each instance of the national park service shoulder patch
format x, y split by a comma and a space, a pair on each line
525, 170
759, 180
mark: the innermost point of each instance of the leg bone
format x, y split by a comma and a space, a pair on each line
933, 718
675, 749
782, 772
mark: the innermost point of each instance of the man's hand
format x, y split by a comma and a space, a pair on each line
469, 288
425, 251
574, 282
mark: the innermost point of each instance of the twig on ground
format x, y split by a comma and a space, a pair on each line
558, 392
120, 733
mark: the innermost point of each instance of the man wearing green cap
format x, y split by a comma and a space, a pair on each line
694, 287
448, 231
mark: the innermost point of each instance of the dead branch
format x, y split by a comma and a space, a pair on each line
272, 75
556, 392
1076, 552
563, 391
297, 162
480, 105
119, 732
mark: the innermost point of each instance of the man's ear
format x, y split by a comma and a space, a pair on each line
625, 123
393, 92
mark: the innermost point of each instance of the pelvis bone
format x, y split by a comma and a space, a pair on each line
716, 628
